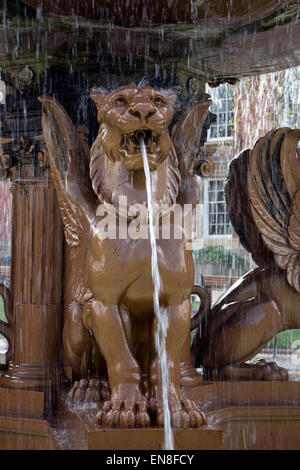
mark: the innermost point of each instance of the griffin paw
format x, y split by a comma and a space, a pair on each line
256, 370
123, 413
184, 414
88, 392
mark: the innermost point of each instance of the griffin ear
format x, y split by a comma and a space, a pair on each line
172, 97
98, 96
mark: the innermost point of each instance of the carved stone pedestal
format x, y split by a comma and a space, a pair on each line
26, 434
151, 439
253, 415
22, 403
83, 434
241, 415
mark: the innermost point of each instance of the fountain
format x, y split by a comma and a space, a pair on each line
98, 313
161, 314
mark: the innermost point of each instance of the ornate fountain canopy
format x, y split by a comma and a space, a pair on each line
163, 11
210, 40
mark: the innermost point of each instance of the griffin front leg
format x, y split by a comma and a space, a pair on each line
127, 405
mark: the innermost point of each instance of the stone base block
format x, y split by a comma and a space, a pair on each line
26, 403
18, 433
76, 430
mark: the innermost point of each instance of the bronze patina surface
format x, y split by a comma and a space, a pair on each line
208, 41
63, 48
263, 198
109, 320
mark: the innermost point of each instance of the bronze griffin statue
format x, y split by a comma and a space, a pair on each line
263, 200
109, 321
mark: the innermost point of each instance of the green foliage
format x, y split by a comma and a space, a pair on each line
218, 254
2, 314
285, 339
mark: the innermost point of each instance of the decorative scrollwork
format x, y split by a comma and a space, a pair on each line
24, 79
5, 163
25, 151
204, 167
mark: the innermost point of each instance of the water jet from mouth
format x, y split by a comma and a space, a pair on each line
160, 313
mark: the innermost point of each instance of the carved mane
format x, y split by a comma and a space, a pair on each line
111, 179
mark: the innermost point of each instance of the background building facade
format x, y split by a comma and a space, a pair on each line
244, 112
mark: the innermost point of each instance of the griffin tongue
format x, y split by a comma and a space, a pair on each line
153, 147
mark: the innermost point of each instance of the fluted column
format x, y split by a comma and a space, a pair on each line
36, 281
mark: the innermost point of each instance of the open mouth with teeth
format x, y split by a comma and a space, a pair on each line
131, 151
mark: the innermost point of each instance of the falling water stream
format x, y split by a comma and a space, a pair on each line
161, 313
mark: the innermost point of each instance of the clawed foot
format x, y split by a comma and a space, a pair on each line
184, 413
258, 370
123, 413
88, 393
127, 408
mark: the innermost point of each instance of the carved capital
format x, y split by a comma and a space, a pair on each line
203, 165
5, 164
26, 156
18, 80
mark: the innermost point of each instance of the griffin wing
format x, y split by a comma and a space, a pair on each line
274, 191
186, 134
186, 137
239, 210
70, 171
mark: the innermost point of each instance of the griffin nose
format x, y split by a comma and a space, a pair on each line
142, 110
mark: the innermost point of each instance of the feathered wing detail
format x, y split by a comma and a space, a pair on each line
187, 133
274, 191
239, 210
186, 138
70, 171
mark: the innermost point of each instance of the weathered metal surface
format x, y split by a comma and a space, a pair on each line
209, 40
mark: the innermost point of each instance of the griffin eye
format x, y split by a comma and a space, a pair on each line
158, 100
120, 101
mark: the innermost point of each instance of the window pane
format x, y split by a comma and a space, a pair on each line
223, 106
218, 219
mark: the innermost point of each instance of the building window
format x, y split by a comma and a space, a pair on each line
2, 92
289, 98
292, 110
223, 107
217, 219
